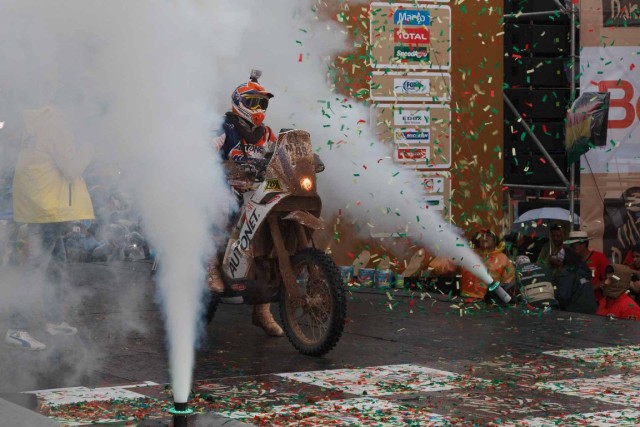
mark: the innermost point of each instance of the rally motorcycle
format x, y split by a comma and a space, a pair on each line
270, 256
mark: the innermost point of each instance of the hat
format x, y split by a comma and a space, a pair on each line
617, 284
522, 259
578, 236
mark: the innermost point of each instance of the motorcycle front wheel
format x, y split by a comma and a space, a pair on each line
314, 323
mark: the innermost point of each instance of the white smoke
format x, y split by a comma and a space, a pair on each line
139, 80
145, 82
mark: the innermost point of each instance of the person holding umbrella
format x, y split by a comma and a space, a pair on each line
552, 254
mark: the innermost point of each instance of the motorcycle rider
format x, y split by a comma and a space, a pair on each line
244, 138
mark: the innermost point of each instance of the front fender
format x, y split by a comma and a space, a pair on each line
306, 219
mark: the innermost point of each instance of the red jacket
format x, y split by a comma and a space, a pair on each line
623, 307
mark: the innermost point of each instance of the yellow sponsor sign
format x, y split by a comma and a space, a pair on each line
273, 185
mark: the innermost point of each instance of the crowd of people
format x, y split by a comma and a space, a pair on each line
567, 274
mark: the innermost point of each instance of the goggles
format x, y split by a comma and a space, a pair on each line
255, 102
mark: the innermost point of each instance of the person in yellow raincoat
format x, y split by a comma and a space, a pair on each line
49, 192
500, 267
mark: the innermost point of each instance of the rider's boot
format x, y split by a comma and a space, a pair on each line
214, 280
262, 317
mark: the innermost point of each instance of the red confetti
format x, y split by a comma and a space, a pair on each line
300, 58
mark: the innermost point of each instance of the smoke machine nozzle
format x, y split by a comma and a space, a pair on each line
497, 290
180, 412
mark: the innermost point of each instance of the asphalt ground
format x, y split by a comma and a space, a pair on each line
404, 359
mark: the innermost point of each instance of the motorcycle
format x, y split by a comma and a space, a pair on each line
270, 256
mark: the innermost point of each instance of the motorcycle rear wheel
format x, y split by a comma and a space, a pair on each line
314, 326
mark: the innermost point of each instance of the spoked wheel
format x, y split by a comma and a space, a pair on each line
314, 323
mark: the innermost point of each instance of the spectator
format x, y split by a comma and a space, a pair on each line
573, 286
633, 261
534, 283
552, 254
596, 261
633, 257
485, 243
616, 302
48, 194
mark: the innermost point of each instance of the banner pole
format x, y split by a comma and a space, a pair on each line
572, 83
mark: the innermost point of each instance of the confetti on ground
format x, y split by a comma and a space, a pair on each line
617, 389
489, 393
619, 356
383, 380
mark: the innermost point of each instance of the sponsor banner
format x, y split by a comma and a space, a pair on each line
411, 117
405, 54
610, 175
412, 154
410, 35
437, 189
412, 136
620, 13
433, 185
609, 22
613, 69
411, 17
273, 185
435, 202
411, 129
411, 86
415, 86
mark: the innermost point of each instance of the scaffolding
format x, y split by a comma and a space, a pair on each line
569, 185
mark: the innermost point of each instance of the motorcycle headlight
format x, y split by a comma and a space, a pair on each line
306, 184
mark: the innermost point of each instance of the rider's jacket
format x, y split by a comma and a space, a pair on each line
239, 140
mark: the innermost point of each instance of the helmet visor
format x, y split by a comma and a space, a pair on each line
255, 102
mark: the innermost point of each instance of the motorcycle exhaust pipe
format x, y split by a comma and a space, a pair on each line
498, 291
181, 413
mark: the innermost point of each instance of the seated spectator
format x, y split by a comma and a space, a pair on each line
634, 287
552, 253
616, 302
596, 261
573, 286
485, 243
631, 259
534, 283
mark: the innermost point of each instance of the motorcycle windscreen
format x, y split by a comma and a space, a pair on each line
292, 163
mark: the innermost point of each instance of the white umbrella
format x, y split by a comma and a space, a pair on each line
538, 221
558, 214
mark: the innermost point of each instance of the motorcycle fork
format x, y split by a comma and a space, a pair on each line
284, 261
303, 242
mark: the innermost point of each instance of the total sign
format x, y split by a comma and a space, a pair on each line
411, 35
